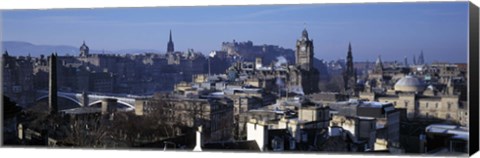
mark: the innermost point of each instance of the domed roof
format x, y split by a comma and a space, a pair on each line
409, 84
84, 46
305, 34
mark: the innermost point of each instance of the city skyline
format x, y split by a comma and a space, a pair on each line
331, 26
261, 91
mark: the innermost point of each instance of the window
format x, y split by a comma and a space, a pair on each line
426, 104
436, 105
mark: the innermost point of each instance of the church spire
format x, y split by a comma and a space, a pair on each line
379, 61
421, 60
378, 65
349, 47
170, 47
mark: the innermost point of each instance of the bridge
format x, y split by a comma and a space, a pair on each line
90, 99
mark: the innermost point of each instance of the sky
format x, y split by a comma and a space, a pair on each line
389, 30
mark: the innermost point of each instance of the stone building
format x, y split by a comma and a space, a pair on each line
377, 124
421, 101
286, 130
84, 50
215, 115
308, 76
280, 77
18, 79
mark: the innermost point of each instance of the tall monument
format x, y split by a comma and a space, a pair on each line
350, 76
52, 84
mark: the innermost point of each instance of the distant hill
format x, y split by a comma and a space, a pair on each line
20, 48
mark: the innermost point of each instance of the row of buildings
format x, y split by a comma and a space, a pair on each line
254, 106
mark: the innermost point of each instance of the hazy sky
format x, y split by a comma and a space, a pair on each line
392, 30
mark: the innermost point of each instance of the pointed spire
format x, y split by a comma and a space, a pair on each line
379, 60
170, 47
349, 55
378, 65
349, 46
421, 60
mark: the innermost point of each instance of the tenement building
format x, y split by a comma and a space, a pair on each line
214, 114
18, 79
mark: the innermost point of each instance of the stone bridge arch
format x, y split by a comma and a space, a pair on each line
61, 96
118, 101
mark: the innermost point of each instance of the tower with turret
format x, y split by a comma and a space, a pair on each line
84, 50
304, 52
307, 75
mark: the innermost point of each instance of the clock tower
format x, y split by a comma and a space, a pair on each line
304, 52
307, 76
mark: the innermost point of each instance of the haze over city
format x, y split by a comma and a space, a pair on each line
386, 29
271, 78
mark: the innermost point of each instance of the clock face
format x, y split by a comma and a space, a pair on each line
303, 48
